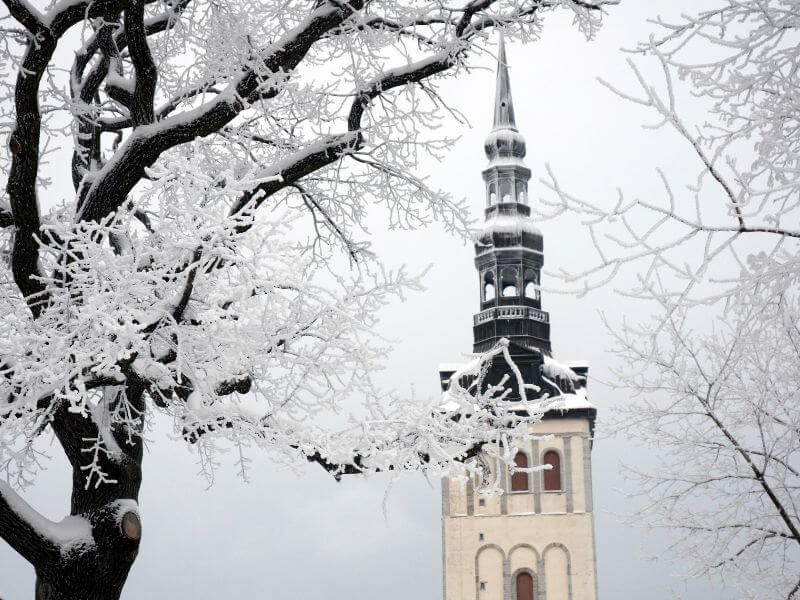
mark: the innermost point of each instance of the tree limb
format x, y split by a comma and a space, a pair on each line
146, 73
112, 183
20, 527
26, 15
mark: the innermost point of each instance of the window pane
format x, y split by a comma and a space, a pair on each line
552, 476
519, 480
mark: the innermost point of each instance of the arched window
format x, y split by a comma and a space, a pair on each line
552, 476
492, 194
525, 587
521, 196
488, 286
506, 189
508, 282
531, 284
519, 480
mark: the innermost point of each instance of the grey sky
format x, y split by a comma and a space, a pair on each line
286, 537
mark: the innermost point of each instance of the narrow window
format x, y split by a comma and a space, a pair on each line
521, 197
508, 282
525, 586
506, 189
552, 476
488, 286
531, 284
519, 480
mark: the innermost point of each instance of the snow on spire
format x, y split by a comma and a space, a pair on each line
503, 105
505, 143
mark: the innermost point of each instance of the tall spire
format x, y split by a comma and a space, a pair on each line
505, 143
503, 105
509, 250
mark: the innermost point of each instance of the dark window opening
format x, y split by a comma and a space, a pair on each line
506, 189
552, 476
521, 194
519, 480
508, 282
531, 284
488, 286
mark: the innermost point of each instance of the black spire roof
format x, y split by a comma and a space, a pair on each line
509, 247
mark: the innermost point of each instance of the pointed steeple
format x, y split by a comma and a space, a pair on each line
503, 104
505, 143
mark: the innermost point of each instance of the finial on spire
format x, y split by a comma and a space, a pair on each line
503, 105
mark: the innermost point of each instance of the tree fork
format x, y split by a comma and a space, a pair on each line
99, 571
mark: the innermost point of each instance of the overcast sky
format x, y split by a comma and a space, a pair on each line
285, 536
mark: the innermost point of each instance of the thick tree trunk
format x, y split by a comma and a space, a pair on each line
98, 572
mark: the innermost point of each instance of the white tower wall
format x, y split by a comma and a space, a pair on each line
489, 541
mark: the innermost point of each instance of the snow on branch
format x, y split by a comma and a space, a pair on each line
652, 233
714, 369
727, 430
35, 537
213, 262
25, 14
398, 434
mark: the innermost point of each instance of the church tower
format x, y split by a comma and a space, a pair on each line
536, 540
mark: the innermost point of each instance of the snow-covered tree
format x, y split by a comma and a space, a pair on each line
210, 260
716, 371
722, 411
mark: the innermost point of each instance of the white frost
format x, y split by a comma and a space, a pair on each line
510, 224
68, 534
558, 370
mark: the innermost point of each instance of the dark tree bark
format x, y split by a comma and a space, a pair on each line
99, 573
105, 179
